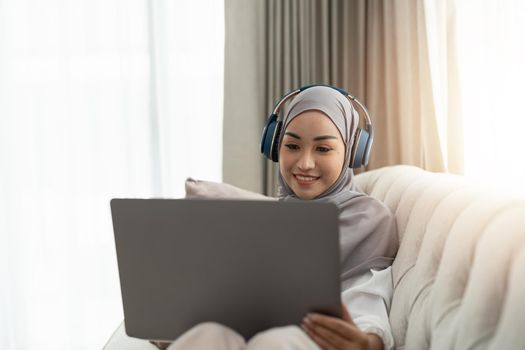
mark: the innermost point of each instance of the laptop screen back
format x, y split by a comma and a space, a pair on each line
249, 265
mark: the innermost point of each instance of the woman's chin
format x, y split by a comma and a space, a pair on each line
305, 195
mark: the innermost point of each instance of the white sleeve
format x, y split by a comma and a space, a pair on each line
368, 301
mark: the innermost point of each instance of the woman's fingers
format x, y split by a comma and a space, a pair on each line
325, 344
342, 328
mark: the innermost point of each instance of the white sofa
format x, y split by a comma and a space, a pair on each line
459, 275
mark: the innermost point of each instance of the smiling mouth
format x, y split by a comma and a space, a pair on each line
306, 180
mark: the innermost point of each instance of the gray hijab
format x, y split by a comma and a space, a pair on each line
367, 228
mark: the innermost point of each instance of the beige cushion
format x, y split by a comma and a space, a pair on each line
209, 189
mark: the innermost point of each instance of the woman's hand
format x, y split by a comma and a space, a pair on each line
160, 345
335, 333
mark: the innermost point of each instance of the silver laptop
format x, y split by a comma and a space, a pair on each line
249, 265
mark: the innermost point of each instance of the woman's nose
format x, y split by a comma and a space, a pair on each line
306, 161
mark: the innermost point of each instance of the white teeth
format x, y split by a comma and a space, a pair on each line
305, 178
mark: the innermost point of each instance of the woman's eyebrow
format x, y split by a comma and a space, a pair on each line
292, 135
317, 138
324, 137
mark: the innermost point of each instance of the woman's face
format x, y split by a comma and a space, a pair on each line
311, 154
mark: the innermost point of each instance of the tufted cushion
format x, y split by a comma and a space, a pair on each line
458, 273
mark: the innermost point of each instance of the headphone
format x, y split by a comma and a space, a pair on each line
362, 142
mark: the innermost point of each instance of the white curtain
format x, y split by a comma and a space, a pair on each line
491, 50
98, 99
439, 47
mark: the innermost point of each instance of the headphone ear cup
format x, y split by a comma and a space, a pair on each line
361, 150
269, 137
368, 148
275, 142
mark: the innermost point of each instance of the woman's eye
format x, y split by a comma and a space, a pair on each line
324, 149
291, 146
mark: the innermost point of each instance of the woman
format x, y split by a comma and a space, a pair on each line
314, 154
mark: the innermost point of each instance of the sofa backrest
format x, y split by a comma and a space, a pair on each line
459, 275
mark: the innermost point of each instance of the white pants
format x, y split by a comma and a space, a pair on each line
216, 336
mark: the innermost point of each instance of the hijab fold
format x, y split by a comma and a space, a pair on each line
367, 228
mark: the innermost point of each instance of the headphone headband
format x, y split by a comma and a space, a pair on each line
362, 142
352, 98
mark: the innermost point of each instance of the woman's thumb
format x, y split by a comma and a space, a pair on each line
346, 314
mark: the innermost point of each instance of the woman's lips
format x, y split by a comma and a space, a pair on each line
306, 180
